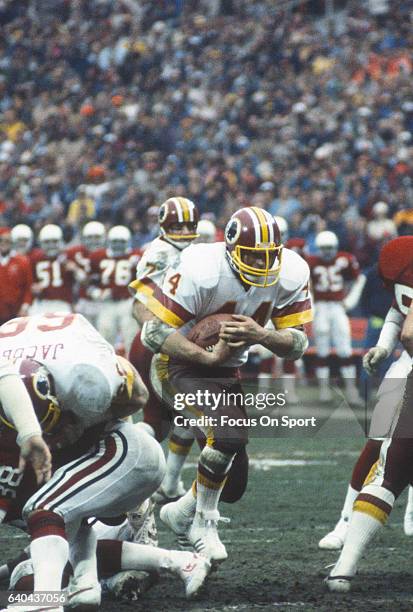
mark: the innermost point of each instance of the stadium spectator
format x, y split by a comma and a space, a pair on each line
208, 101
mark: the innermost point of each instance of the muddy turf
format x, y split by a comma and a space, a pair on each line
295, 492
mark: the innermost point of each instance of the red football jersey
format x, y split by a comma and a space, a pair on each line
81, 256
328, 277
396, 270
55, 280
15, 285
114, 273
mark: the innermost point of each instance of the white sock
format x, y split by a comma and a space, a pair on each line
49, 555
350, 498
187, 503
208, 491
176, 458
83, 555
349, 374
149, 558
146, 427
409, 505
366, 520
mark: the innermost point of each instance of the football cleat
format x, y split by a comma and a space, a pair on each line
173, 517
203, 535
162, 497
193, 573
336, 538
338, 584
129, 585
83, 594
143, 525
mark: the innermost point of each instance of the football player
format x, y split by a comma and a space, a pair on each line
206, 231
80, 389
330, 270
93, 238
253, 279
178, 221
22, 239
111, 271
390, 475
15, 280
54, 274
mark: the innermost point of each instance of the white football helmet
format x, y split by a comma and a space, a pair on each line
51, 239
327, 243
119, 238
283, 227
94, 235
22, 238
206, 230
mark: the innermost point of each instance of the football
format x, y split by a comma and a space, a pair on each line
206, 332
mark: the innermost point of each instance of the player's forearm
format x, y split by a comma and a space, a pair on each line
179, 347
18, 407
288, 343
391, 330
141, 313
406, 336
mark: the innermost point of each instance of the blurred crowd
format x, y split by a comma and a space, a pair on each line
108, 107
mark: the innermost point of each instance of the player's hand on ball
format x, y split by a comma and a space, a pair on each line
35, 450
373, 358
241, 331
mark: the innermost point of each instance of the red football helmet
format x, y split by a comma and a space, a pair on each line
254, 247
178, 220
396, 259
40, 386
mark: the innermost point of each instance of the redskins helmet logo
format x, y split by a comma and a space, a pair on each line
233, 231
163, 211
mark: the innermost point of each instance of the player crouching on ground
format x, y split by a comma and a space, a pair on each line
253, 279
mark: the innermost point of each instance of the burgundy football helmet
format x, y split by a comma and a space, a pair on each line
254, 247
174, 214
40, 386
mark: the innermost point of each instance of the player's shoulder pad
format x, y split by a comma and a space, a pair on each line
395, 258
294, 270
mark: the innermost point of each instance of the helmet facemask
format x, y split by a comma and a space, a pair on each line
265, 275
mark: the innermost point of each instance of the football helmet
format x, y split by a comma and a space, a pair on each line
254, 247
94, 235
327, 244
178, 221
41, 388
22, 238
283, 227
119, 238
51, 239
206, 230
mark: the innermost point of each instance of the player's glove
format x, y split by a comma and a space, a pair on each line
373, 358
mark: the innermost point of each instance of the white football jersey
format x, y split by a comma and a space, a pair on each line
64, 343
156, 259
204, 284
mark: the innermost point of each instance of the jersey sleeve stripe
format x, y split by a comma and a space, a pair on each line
291, 308
162, 306
143, 285
292, 320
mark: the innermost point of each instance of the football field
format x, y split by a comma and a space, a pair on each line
296, 488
